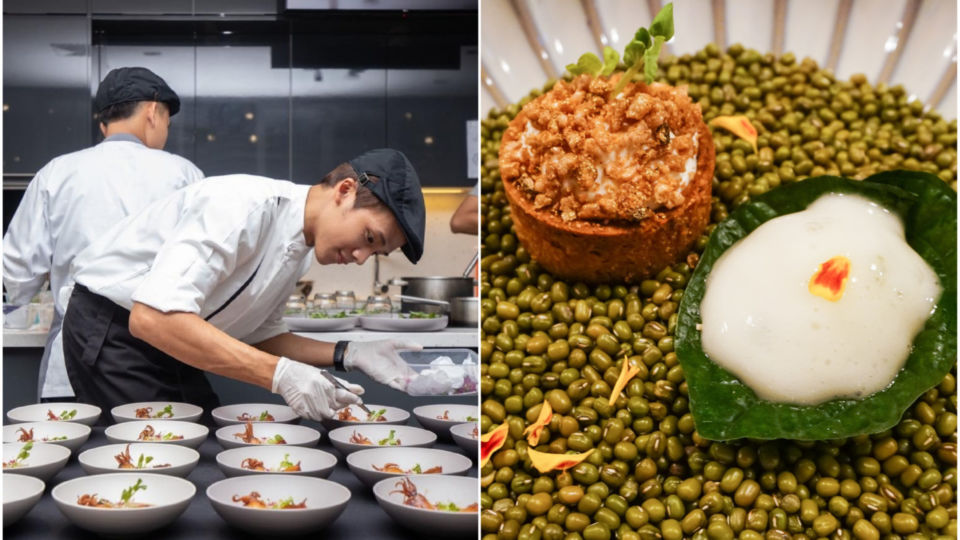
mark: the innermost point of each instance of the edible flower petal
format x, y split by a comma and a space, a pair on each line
534, 430
492, 441
830, 279
627, 372
545, 462
738, 125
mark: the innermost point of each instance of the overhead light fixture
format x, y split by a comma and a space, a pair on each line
6, 107
211, 137
248, 116
428, 140
253, 139
227, 32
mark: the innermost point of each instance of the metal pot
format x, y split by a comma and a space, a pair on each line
465, 311
435, 288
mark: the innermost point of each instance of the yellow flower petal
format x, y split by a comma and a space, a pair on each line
830, 279
545, 462
627, 372
738, 125
534, 429
492, 441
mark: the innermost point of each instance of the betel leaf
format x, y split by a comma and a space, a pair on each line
588, 63
724, 408
610, 60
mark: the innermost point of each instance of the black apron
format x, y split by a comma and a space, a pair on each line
108, 366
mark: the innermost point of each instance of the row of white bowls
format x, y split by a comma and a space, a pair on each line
181, 454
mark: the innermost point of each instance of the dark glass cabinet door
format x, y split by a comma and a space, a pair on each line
46, 94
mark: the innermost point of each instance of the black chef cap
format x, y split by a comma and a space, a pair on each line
134, 84
399, 189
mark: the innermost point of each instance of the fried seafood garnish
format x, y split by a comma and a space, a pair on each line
125, 461
357, 438
414, 499
248, 437
149, 434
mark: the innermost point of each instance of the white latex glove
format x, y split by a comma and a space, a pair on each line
381, 361
309, 393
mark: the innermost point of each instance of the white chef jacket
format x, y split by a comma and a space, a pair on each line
193, 250
72, 201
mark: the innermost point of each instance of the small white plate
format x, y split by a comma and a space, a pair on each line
460, 490
76, 434
362, 463
193, 434
308, 324
428, 416
313, 462
184, 412
102, 459
20, 493
45, 459
231, 414
40, 412
398, 323
294, 435
394, 416
168, 496
408, 435
325, 501
464, 437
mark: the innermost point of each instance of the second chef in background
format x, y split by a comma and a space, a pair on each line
199, 282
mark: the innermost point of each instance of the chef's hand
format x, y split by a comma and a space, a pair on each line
308, 392
381, 361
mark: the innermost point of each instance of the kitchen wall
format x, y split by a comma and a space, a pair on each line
444, 254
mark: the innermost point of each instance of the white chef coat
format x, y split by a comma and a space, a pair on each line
72, 201
193, 250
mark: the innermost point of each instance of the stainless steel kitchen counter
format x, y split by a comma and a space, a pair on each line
362, 518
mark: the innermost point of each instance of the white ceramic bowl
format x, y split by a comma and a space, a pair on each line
86, 414
168, 496
362, 463
183, 412
20, 493
393, 415
193, 434
230, 414
428, 415
45, 459
463, 436
76, 434
408, 435
101, 459
294, 435
460, 490
313, 462
325, 500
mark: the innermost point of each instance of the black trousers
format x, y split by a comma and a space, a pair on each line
107, 366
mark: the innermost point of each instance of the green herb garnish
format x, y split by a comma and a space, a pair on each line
724, 408
416, 468
57, 438
23, 455
421, 315
276, 439
449, 507
283, 503
324, 315
471, 419
641, 52
286, 463
264, 415
143, 461
64, 415
390, 440
168, 411
372, 416
168, 436
128, 493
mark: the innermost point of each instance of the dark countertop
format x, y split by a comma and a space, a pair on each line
362, 518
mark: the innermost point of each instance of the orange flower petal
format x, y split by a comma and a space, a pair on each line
830, 279
738, 125
492, 441
545, 462
627, 372
534, 429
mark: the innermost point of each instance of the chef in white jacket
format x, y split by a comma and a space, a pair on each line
199, 281
77, 197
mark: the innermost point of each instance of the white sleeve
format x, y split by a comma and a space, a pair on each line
273, 326
212, 238
28, 244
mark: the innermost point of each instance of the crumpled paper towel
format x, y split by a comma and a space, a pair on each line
443, 377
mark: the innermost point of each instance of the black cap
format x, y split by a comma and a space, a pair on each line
399, 189
134, 84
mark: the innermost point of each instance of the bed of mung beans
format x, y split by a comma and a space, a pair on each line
651, 475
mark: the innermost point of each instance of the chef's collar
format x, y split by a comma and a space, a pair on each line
128, 137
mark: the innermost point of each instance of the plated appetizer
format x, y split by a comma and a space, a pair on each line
125, 461
26, 435
147, 412
264, 416
412, 498
248, 437
446, 416
416, 469
125, 501
21, 459
346, 415
257, 465
63, 416
390, 440
149, 434
253, 500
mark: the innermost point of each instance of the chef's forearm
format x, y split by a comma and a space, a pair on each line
299, 348
194, 341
